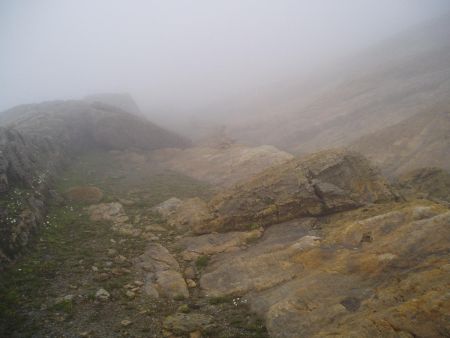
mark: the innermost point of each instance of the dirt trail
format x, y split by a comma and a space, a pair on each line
80, 278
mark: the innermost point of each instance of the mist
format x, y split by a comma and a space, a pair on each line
178, 57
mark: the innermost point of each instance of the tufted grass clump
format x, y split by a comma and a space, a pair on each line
202, 261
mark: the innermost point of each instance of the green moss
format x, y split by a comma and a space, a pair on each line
179, 297
66, 306
202, 261
252, 226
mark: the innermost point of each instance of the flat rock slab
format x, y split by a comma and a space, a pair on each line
114, 213
108, 212
369, 276
263, 265
182, 323
167, 207
216, 242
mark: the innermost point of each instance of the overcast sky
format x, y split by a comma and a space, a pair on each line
183, 54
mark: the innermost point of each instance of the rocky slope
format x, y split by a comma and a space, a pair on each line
36, 140
328, 261
382, 272
339, 255
422, 140
320, 184
429, 183
388, 83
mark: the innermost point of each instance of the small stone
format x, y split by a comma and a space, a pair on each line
190, 283
130, 294
126, 322
94, 268
84, 334
189, 273
195, 334
108, 263
112, 252
68, 298
120, 259
117, 272
101, 277
138, 283
102, 294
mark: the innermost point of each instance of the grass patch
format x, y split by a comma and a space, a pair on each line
220, 300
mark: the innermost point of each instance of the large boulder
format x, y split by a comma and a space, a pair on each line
161, 273
320, 184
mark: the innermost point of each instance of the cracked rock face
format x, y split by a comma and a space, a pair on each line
161, 273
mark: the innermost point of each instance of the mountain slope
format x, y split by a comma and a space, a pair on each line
395, 80
420, 141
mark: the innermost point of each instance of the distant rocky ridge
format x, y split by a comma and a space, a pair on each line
37, 140
124, 101
422, 140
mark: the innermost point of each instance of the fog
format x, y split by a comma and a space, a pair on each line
177, 57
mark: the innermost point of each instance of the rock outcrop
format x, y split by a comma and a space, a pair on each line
37, 140
380, 271
161, 273
320, 184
